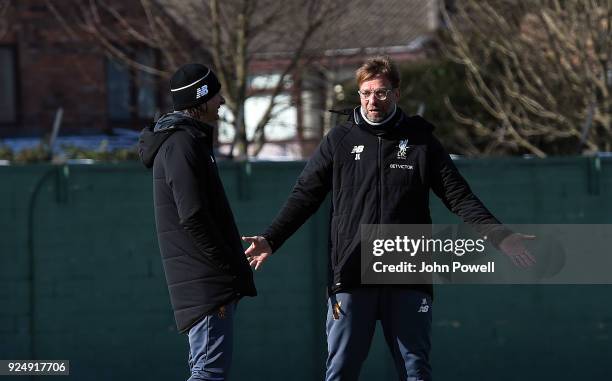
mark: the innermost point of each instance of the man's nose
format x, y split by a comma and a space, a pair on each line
373, 100
222, 100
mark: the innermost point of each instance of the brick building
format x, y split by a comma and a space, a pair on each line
46, 63
44, 67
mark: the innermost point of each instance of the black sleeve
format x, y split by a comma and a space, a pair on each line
309, 191
186, 176
448, 184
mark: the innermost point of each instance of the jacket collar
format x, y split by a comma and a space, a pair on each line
390, 127
180, 121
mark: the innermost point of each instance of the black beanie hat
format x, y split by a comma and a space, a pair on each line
192, 85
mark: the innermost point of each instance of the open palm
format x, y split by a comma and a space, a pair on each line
258, 251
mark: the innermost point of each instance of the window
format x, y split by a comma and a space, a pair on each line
8, 85
132, 94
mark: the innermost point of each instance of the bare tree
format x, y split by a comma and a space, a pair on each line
541, 68
231, 34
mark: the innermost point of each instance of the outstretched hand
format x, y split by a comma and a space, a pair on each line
258, 251
514, 247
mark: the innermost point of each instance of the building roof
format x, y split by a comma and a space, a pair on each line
383, 23
400, 25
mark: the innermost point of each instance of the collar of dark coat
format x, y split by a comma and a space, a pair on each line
180, 121
382, 129
400, 127
197, 129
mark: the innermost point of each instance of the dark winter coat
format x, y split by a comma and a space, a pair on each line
374, 181
201, 250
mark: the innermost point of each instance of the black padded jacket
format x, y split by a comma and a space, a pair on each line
375, 181
201, 250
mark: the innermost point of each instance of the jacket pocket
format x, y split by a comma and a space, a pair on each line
338, 235
334, 242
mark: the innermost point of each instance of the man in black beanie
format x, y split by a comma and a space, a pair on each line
202, 254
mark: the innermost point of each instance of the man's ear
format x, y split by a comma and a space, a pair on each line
396, 91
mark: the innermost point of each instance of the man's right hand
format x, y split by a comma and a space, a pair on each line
258, 251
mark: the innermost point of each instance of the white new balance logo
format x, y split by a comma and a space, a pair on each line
424, 306
201, 91
357, 150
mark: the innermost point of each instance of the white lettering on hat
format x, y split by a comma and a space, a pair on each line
201, 91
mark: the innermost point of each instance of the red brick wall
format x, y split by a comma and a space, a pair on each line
55, 69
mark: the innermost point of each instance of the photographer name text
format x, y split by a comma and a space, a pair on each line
434, 267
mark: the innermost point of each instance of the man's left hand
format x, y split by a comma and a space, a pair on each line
514, 247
